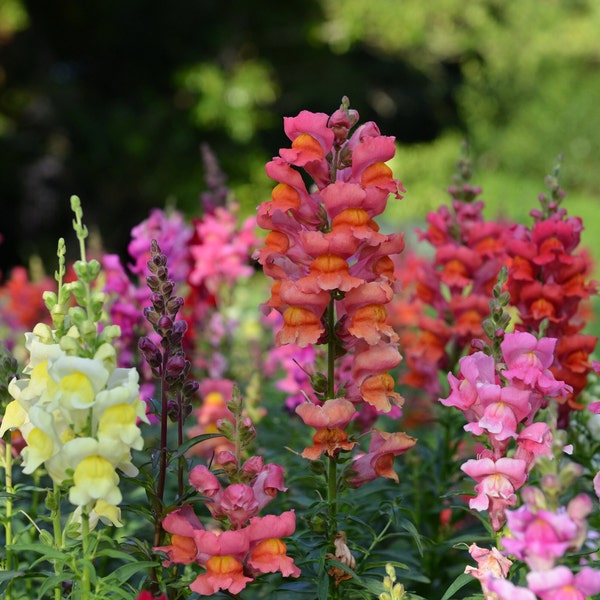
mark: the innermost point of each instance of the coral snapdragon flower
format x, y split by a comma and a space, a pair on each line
329, 420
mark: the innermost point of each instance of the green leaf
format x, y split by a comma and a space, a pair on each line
47, 552
409, 526
52, 582
118, 554
124, 572
460, 582
8, 575
192, 442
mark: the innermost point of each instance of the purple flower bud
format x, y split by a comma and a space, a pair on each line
173, 305
153, 282
164, 326
151, 315
150, 351
179, 329
166, 288
190, 388
176, 366
157, 302
159, 260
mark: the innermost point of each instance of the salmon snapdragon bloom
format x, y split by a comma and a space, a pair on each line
549, 283
333, 275
329, 420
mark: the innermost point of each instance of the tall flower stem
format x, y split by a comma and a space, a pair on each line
58, 539
162, 468
332, 474
85, 546
9, 509
332, 467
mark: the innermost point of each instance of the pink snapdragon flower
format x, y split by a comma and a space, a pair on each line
220, 249
538, 537
490, 563
172, 233
498, 481
502, 589
528, 361
379, 460
560, 583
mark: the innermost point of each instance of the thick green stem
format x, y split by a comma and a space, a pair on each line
9, 510
85, 544
58, 539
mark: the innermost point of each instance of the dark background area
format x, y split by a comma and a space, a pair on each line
111, 100
96, 111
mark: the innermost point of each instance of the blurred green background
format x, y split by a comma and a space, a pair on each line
111, 99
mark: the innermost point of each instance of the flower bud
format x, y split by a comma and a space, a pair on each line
175, 366
153, 282
164, 326
166, 288
150, 351
190, 388
173, 305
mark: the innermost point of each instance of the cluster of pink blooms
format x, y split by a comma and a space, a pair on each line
500, 403
333, 272
541, 537
245, 545
211, 253
451, 291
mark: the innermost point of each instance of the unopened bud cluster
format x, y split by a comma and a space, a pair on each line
168, 363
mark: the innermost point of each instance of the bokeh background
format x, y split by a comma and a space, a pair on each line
111, 100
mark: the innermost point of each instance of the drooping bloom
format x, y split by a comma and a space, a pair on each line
490, 563
329, 420
379, 460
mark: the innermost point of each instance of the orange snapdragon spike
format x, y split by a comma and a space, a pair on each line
309, 146
300, 326
328, 441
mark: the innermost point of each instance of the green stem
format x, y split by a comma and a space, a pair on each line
332, 475
58, 539
181, 461
9, 510
332, 469
85, 544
